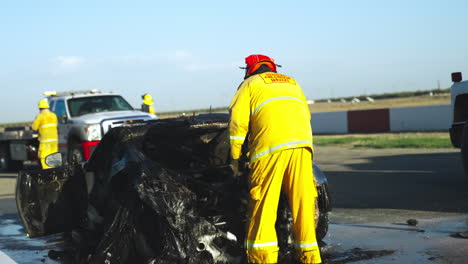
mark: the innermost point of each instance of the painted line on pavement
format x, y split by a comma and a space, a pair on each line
5, 259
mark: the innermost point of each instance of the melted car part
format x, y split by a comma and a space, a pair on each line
51, 201
164, 193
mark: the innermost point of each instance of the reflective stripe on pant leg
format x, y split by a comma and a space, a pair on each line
301, 191
262, 252
308, 251
265, 187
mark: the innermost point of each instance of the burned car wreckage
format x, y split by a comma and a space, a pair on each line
160, 192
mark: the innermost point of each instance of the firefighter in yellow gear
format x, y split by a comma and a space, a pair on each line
272, 110
46, 124
147, 105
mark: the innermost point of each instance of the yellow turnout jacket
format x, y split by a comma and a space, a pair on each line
274, 110
46, 124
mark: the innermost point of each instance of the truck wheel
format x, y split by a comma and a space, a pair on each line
4, 157
75, 153
464, 149
15, 165
6, 163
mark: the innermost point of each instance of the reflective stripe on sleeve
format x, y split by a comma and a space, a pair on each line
252, 244
300, 245
270, 150
49, 125
236, 138
274, 99
48, 140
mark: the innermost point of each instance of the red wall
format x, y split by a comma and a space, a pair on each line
368, 121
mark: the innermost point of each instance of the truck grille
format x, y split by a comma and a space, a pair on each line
107, 124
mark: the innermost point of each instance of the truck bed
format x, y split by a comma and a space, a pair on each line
17, 133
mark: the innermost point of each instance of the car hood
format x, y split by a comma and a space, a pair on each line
99, 117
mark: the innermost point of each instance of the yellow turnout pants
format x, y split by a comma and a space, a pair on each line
290, 169
46, 149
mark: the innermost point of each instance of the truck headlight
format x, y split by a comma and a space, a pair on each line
93, 132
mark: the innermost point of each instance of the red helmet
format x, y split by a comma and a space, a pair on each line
253, 62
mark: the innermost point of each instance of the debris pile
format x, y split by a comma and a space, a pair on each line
159, 193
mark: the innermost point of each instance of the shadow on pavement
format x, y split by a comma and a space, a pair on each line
426, 182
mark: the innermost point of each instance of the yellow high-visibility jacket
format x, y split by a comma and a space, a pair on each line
46, 123
274, 110
147, 108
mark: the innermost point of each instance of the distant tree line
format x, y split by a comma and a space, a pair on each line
225, 108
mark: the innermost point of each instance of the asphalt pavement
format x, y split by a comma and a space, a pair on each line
374, 192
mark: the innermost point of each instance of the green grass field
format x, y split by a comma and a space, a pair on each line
386, 140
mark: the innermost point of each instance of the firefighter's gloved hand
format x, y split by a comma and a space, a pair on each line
235, 167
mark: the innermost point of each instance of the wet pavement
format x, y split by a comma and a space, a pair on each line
347, 242
374, 192
18, 247
430, 241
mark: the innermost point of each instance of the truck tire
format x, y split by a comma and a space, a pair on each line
6, 164
15, 165
75, 153
4, 156
464, 149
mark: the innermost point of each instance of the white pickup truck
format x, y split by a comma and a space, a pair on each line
459, 128
17, 144
84, 117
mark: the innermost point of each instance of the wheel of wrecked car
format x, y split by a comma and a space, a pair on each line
464, 149
321, 222
75, 153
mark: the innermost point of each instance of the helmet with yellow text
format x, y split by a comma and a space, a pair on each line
255, 61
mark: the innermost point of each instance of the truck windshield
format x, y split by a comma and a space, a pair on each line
96, 104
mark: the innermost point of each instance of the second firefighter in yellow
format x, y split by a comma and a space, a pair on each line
147, 105
272, 110
46, 124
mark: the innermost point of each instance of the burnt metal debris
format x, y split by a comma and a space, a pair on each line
158, 193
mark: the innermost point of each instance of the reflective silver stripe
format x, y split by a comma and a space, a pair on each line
306, 245
48, 140
258, 155
49, 125
251, 244
236, 138
274, 99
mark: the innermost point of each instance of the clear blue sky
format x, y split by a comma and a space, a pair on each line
186, 53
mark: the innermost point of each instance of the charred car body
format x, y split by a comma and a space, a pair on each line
160, 192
